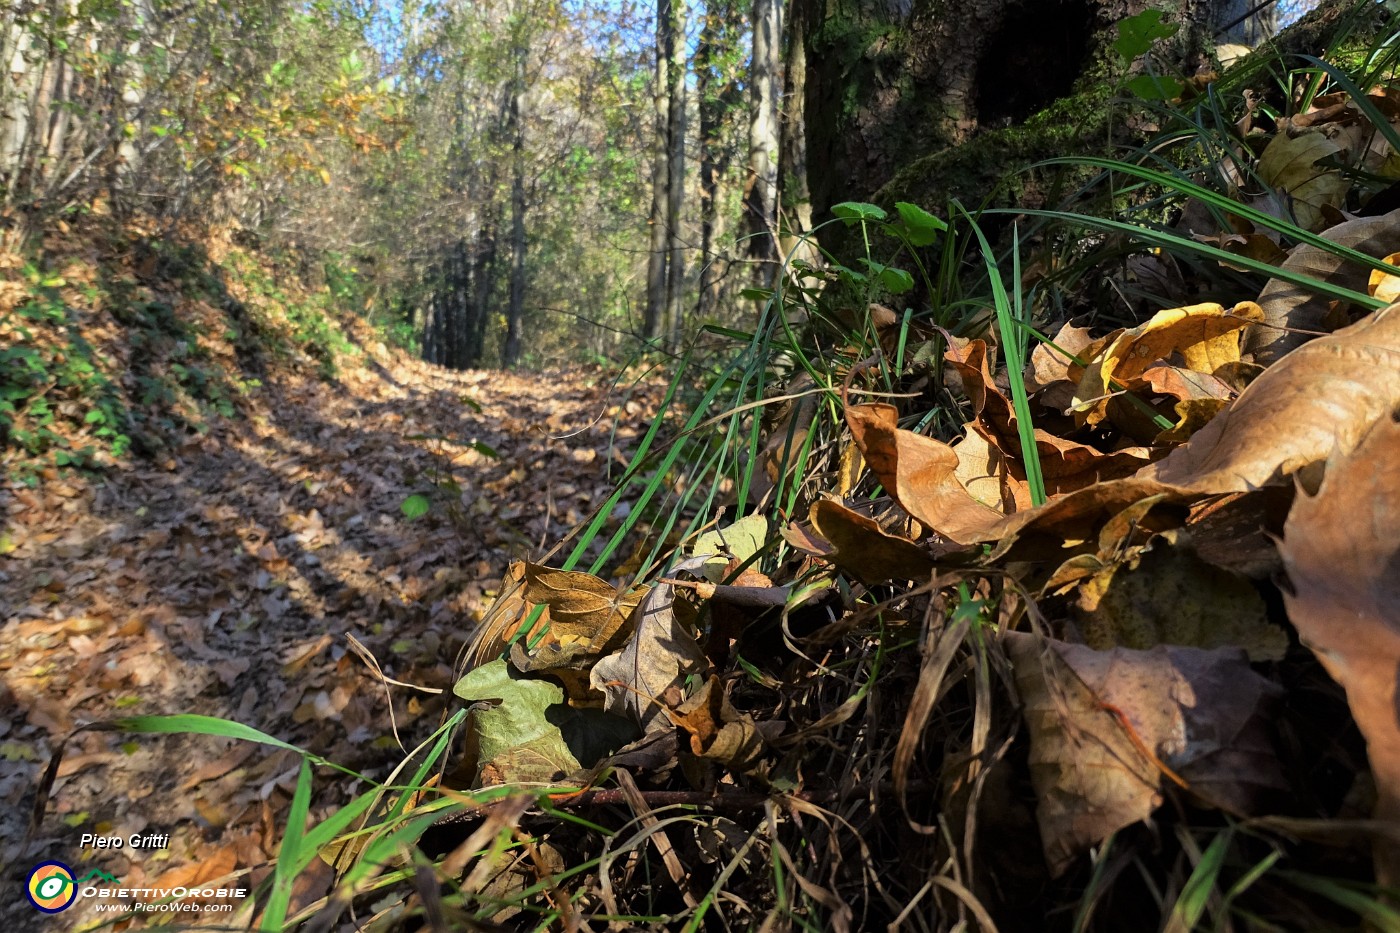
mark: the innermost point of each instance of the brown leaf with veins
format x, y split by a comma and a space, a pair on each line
919, 472
661, 654
1323, 396
858, 544
1298, 189
1341, 548
586, 612
1292, 311
1109, 728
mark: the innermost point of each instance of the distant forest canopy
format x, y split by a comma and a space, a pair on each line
517, 181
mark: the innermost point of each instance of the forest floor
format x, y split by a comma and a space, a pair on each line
228, 578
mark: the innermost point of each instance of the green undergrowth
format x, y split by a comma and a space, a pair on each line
122, 345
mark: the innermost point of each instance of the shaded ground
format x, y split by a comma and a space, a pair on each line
226, 579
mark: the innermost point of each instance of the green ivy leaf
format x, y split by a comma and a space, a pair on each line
852, 211
1137, 33
513, 723
850, 275
920, 227
896, 281
1155, 87
415, 506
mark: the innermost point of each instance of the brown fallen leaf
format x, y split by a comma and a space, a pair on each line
1204, 336
717, 730
1341, 548
919, 472
1384, 285
1292, 314
1065, 464
1109, 728
1048, 365
586, 612
1323, 396
858, 544
1299, 190
661, 654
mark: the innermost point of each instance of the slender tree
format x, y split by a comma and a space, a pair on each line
765, 84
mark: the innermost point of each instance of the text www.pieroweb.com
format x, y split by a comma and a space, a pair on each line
169, 907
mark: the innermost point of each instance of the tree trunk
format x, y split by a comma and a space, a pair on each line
761, 192
485, 281
717, 91
660, 176
675, 182
515, 311
794, 190
891, 81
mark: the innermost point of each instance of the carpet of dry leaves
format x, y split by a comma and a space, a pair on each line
227, 578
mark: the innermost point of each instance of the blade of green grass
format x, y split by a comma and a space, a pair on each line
1172, 242
1009, 324
1195, 895
1216, 199
283, 873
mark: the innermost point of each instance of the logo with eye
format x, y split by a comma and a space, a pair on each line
51, 887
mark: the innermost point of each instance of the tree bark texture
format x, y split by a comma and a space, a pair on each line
717, 92
515, 309
795, 193
890, 81
657, 259
765, 86
675, 185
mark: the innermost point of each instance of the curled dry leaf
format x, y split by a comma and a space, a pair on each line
1341, 548
661, 654
1051, 364
1109, 728
857, 544
1066, 464
1323, 396
919, 472
717, 730
1205, 337
1292, 314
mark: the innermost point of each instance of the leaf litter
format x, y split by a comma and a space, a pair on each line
1124, 641
836, 711
228, 581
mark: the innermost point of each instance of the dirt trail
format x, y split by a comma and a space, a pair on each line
226, 579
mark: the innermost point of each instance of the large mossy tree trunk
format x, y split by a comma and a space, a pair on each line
890, 82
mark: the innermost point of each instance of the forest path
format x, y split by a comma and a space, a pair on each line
226, 579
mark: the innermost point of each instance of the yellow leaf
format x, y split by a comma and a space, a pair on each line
1383, 285
1206, 337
